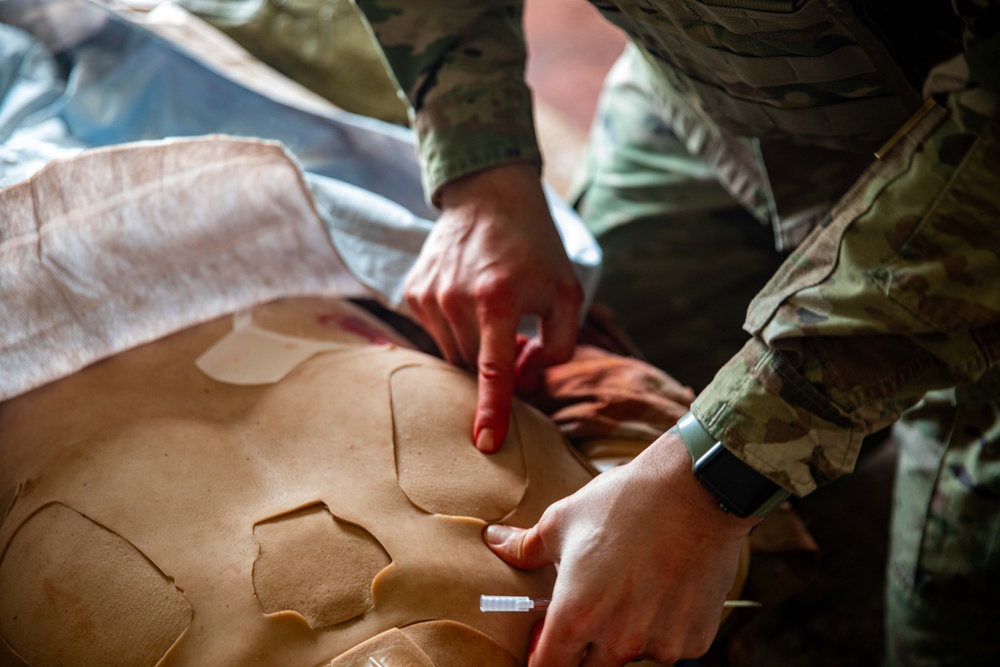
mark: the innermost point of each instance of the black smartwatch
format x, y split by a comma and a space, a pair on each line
740, 489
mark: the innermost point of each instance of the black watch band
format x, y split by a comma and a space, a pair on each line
739, 488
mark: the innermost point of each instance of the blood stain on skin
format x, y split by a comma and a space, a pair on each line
355, 326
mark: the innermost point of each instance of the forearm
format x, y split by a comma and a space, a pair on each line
899, 294
460, 66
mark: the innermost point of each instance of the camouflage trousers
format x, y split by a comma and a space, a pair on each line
944, 570
682, 262
681, 258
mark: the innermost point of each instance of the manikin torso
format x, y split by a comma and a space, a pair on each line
153, 515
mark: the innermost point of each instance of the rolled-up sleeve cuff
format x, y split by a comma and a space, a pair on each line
469, 129
770, 416
475, 154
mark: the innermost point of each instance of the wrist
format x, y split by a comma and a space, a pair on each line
672, 479
503, 183
738, 488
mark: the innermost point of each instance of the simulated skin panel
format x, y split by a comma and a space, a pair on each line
316, 565
433, 409
63, 570
8, 658
389, 649
451, 644
182, 468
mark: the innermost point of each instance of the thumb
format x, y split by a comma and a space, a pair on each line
516, 546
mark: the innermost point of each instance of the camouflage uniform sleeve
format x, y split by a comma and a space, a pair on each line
460, 65
897, 294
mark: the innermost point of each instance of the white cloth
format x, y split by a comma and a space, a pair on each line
124, 245
108, 248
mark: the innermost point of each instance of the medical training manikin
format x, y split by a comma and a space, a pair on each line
163, 507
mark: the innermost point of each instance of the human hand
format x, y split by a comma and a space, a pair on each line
645, 558
493, 256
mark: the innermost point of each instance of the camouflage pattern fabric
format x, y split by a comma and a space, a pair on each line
763, 68
896, 296
943, 601
753, 88
635, 165
322, 44
757, 88
661, 222
677, 248
460, 65
680, 286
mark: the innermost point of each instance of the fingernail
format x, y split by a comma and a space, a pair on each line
484, 441
496, 534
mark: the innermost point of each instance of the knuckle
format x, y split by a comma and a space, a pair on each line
452, 301
492, 371
626, 653
493, 286
634, 647
664, 651
568, 633
521, 548
414, 294
421, 298
497, 296
553, 516
630, 643
550, 526
414, 280
414, 301
701, 641
667, 656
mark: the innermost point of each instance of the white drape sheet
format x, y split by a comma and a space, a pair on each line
144, 189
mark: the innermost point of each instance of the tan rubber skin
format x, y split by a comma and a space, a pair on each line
154, 516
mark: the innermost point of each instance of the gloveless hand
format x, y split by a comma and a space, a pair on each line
493, 256
645, 558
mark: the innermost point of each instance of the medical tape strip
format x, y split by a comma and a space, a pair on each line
249, 355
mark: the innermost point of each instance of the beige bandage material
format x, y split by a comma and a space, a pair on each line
251, 355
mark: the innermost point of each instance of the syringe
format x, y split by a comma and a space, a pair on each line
524, 603
512, 603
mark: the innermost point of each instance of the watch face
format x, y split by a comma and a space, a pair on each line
740, 488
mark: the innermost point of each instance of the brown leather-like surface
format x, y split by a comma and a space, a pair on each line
65, 571
314, 564
433, 409
180, 469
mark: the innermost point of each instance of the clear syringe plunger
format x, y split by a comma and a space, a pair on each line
511, 603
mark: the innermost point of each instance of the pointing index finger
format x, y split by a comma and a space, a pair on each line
497, 356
